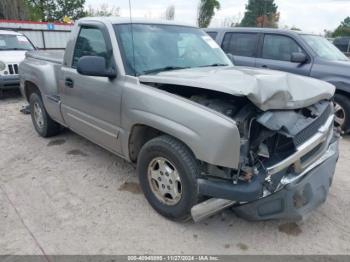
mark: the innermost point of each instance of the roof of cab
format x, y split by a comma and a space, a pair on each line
9, 32
255, 30
127, 20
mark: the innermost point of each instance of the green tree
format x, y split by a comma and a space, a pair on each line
74, 9
55, 10
260, 13
206, 11
343, 29
41, 10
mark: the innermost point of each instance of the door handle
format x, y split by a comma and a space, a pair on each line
69, 83
264, 66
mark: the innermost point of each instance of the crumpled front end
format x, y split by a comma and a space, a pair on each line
279, 145
299, 176
299, 194
288, 160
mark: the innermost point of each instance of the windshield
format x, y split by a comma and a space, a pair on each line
324, 48
15, 42
152, 48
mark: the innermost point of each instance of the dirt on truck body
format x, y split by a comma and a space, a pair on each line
205, 135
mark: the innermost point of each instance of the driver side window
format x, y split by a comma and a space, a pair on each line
90, 42
279, 47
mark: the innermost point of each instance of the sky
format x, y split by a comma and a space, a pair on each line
309, 15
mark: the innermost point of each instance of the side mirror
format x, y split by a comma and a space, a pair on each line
94, 66
299, 58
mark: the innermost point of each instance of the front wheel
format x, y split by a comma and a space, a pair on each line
167, 171
342, 112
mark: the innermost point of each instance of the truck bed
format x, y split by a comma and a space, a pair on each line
50, 56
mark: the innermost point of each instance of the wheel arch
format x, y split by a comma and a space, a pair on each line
342, 92
29, 88
140, 134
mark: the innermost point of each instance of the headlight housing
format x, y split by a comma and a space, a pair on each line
2, 66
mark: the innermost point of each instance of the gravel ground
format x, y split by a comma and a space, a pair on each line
65, 195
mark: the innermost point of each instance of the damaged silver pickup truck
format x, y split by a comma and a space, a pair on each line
205, 135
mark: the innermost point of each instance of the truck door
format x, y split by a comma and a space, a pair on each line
276, 53
91, 105
243, 47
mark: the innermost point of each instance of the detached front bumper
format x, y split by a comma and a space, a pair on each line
299, 196
9, 82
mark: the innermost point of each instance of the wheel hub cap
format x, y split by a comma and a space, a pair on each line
38, 115
339, 114
164, 181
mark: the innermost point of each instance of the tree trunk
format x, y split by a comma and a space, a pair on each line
13, 9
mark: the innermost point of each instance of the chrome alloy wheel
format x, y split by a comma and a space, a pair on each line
164, 181
38, 115
340, 114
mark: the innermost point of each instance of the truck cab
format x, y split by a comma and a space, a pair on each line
13, 47
291, 51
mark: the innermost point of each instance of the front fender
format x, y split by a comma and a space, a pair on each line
211, 136
337, 77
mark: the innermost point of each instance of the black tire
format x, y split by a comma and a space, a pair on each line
344, 102
49, 127
186, 165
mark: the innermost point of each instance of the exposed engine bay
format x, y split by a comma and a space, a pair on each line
267, 137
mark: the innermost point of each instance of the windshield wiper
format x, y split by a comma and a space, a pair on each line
169, 68
162, 69
215, 64
18, 48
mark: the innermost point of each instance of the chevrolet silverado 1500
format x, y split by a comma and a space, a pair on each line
205, 135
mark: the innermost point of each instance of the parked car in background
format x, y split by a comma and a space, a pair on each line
343, 44
291, 51
44, 35
13, 47
166, 97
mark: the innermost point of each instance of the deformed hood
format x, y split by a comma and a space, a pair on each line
267, 89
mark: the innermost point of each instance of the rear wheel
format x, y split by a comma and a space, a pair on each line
167, 171
44, 125
342, 112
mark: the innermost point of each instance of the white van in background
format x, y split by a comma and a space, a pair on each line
13, 47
